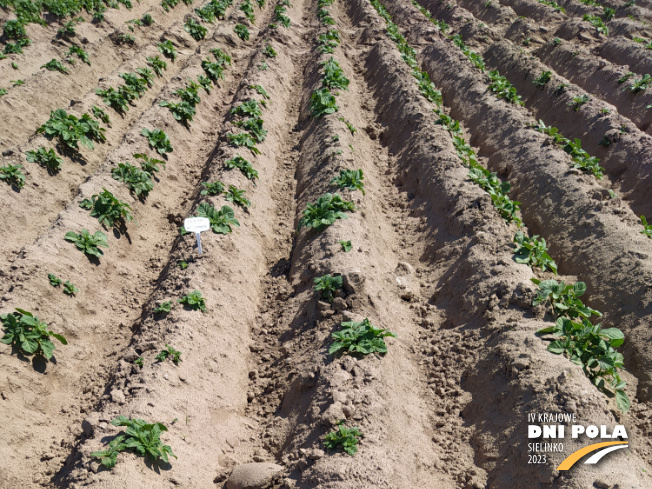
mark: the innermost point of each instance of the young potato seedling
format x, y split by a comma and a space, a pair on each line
108, 209
171, 353
221, 221
241, 31
322, 102
13, 175
237, 197
352, 179
212, 188
244, 166
163, 308
647, 228
345, 438
324, 212
167, 49
149, 165
157, 65
533, 251
359, 338
28, 334
138, 181
194, 301
197, 31
328, 285
69, 288
54, 280
140, 437
158, 140
346, 246
87, 242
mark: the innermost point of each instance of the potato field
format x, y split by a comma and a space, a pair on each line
430, 235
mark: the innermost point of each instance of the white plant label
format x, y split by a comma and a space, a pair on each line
197, 225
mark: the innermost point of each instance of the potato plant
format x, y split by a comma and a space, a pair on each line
29, 334
87, 242
158, 140
328, 208
244, 166
345, 438
359, 338
149, 165
212, 188
13, 175
140, 437
194, 301
109, 210
171, 353
197, 31
221, 220
346, 246
328, 285
137, 180
71, 131
351, 179
533, 251
157, 65
237, 197
241, 31
46, 158
322, 102
167, 49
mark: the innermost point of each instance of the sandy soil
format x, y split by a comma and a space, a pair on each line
256, 390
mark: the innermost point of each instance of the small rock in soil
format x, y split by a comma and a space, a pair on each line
253, 475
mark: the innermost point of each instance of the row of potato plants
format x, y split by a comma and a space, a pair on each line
248, 116
357, 338
585, 344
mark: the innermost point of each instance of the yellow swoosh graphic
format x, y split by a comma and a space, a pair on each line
575, 456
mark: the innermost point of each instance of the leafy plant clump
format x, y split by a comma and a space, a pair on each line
498, 191
243, 139
149, 165
80, 53
346, 246
241, 31
322, 102
167, 49
593, 349
13, 175
359, 338
157, 65
244, 166
647, 228
640, 85
333, 77
503, 89
169, 352
328, 285
194, 300
140, 437
597, 22
345, 438
353, 179
163, 308
328, 208
237, 197
100, 114
197, 31
137, 180
46, 158
28, 334
250, 108
158, 140
534, 252
212, 188
220, 220
108, 209
87, 242
543, 79
182, 111
269, 51
54, 280
69, 288
563, 299
70, 131
579, 101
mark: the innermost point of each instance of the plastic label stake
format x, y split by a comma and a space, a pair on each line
197, 225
